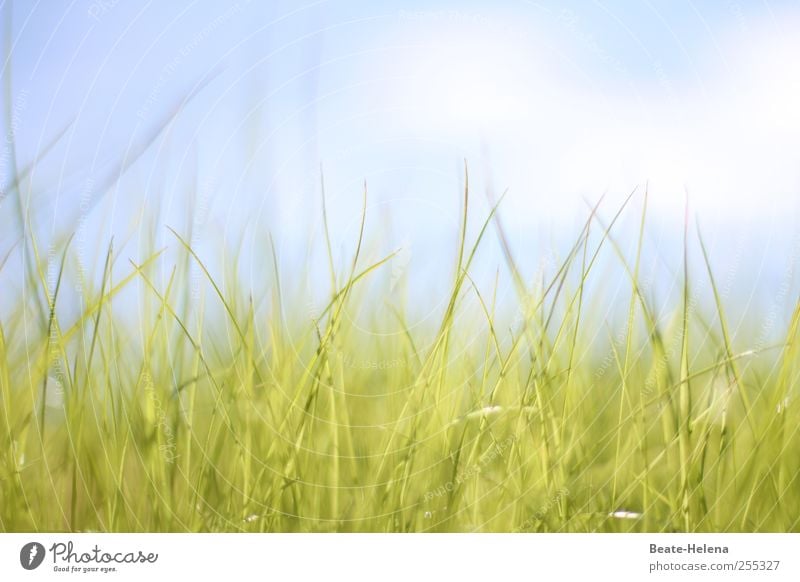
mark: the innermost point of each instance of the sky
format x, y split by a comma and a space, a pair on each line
226, 117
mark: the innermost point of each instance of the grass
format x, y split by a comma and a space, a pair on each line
219, 410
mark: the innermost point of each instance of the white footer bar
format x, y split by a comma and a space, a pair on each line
383, 557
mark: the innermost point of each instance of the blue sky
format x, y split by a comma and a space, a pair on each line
557, 102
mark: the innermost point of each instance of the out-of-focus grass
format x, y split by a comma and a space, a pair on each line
272, 419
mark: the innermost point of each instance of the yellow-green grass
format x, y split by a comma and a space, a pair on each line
221, 411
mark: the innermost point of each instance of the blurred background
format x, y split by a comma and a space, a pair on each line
223, 121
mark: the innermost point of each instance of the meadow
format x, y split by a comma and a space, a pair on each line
221, 410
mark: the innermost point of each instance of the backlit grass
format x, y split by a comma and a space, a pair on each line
221, 410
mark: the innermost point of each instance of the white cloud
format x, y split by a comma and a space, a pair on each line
732, 138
